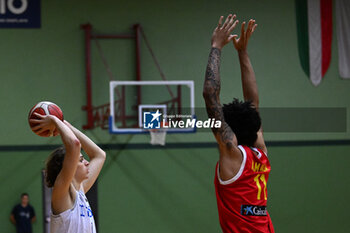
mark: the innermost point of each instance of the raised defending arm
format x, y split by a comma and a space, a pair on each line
211, 89
211, 92
249, 86
230, 156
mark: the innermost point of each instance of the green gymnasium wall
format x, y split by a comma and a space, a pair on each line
170, 190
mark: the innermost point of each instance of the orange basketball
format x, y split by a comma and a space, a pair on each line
45, 108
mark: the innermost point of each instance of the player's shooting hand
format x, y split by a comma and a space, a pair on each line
242, 42
222, 33
44, 123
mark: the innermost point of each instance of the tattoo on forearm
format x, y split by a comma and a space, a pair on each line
212, 83
212, 91
213, 67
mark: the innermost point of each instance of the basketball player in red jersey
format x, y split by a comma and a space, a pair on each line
243, 168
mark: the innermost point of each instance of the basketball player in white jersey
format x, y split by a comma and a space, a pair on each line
71, 176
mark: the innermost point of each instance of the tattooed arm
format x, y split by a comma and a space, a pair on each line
230, 156
250, 88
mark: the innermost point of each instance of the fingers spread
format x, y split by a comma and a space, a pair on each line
37, 127
233, 26
38, 115
254, 27
226, 21
250, 25
220, 21
34, 121
251, 28
243, 28
230, 23
243, 31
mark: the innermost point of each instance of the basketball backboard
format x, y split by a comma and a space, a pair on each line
133, 103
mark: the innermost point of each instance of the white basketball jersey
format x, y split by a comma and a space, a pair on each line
79, 219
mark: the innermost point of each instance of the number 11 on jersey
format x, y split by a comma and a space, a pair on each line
257, 181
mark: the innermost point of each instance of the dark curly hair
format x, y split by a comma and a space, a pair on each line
244, 120
54, 165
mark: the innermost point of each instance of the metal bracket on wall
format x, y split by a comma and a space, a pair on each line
99, 115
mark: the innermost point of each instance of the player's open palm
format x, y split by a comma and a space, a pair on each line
241, 43
222, 33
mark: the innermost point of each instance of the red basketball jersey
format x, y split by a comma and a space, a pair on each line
242, 199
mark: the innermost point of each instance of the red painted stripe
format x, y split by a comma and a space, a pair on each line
326, 33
